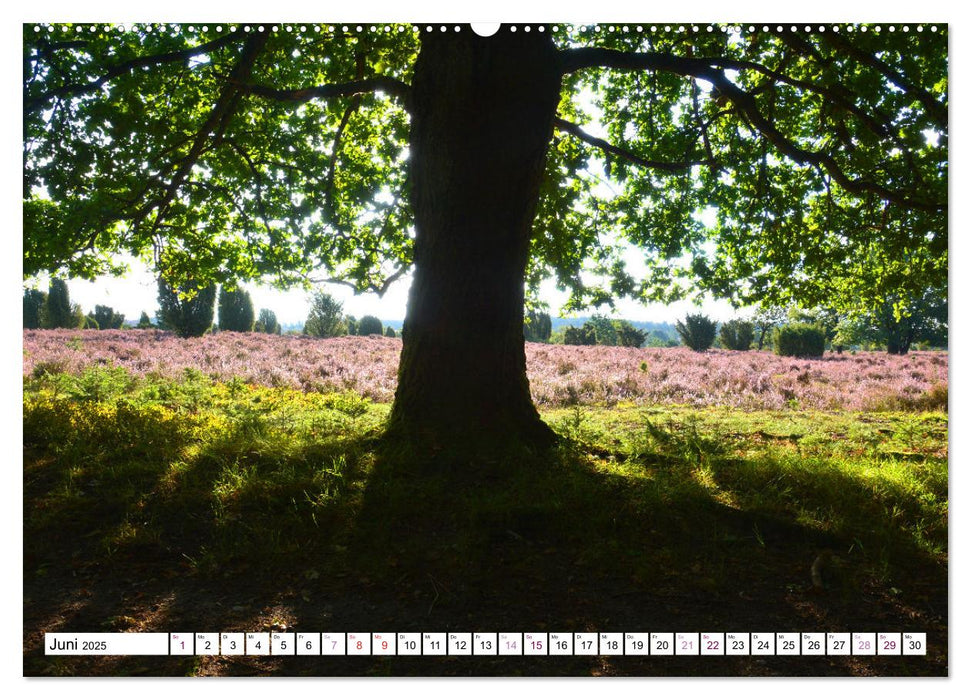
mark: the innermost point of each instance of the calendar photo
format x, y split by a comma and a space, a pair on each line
441, 349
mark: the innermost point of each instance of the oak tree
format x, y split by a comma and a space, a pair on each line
486, 165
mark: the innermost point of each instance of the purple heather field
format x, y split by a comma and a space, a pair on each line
559, 375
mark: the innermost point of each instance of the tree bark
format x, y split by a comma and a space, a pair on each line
482, 120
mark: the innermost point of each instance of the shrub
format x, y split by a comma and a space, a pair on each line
737, 335
144, 321
697, 331
235, 310
369, 325
800, 340
389, 332
579, 336
34, 302
348, 403
267, 323
325, 319
105, 318
188, 311
537, 327
628, 336
602, 329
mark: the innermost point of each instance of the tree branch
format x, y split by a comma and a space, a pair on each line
745, 104
213, 127
74, 89
575, 130
379, 289
382, 83
936, 110
335, 150
749, 109
572, 60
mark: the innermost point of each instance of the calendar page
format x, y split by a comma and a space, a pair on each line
549, 349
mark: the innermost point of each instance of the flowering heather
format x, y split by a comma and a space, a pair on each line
559, 375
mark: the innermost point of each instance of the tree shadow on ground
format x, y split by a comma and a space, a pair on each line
359, 535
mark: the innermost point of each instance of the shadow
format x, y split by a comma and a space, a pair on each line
250, 532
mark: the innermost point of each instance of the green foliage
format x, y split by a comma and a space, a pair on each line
579, 336
389, 332
267, 323
58, 310
697, 331
765, 320
537, 327
826, 318
203, 478
736, 334
824, 161
628, 336
351, 322
369, 325
105, 318
35, 302
600, 330
144, 321
603, 329
903, 322
235, 310
189, 310
325, 319
855, 332
348, 403
800, 340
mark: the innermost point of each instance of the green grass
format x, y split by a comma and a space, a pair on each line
210, 480
259, 471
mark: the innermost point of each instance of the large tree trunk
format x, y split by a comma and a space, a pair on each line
482, 119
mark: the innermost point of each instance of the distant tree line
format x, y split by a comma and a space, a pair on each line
188, 311
54, 309
896, 325
327, 320
799, 332
598, 330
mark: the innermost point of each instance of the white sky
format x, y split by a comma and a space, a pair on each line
137, 292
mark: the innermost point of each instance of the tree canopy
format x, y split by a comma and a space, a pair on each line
282, 154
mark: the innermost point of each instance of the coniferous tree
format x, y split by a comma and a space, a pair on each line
144, 321
58, 310
586, 335
736, 334
106, 317
697, 331
34, 302
235, 310
325, 319
537, 327
629, 336
267, 323
369, 325
188, 312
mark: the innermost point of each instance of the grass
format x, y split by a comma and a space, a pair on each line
153, 504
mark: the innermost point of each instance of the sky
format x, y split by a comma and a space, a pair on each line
137, 292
